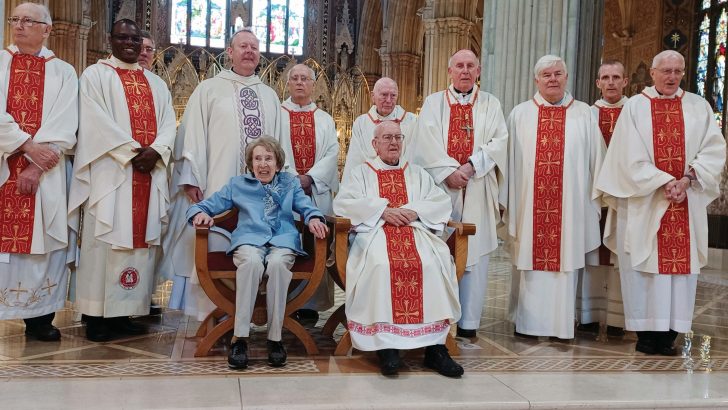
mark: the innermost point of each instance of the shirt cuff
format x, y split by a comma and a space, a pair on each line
482, 163
186, 176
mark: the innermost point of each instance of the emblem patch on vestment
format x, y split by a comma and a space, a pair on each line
129, 278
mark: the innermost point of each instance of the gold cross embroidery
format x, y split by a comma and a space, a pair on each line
26, 72
548, 211
134, 84
675, 260
611, 121
146, 134
18, 291
546, 260
670, 158
391, 185
407, 311
302, 126
552, 119
48, 287
668, 113
549, 163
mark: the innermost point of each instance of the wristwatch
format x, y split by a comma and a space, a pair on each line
690, 177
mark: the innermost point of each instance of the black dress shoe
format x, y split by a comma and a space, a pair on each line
307, 316
468, 333
276, 354
155, 310
588, 327
238, 357
125, 326
615, 331
524, 336
388, 361
97, 329
44, 332
438, 359
667, 351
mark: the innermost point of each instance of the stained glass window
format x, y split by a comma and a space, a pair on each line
201, 23
279, 24
712, 38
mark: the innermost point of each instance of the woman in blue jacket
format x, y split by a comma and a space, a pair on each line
265, 241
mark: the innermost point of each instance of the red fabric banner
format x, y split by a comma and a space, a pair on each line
460, 138
548, 187
303, 139
25, 105
668, 140
140, 100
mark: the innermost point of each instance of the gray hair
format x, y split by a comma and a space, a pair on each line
311, 73
270, 144
449, 60
659, 58
381, 82
378, 129
45, 14
548, 61
243, 30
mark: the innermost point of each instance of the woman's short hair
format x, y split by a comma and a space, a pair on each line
270, 144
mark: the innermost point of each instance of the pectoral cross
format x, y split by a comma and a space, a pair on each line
467, 127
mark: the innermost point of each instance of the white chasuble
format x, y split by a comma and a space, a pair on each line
434, 145
408, 298
223, 114
362, 133
320, 157
115, 275
38, 100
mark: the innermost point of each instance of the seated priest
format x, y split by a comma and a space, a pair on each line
265, 241
409, 298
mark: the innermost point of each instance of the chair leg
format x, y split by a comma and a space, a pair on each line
204, 346
301, 334
344, 346
209, 322
336, 318
452, 346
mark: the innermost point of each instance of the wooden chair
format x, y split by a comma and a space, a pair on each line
216, 270
458, 243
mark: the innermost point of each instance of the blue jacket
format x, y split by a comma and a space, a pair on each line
265, 215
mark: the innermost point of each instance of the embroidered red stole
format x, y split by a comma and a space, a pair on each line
548, 187
405, 265
607, 119
25, 105
140, 101
668, 140
460, 138
303, 139
377, 121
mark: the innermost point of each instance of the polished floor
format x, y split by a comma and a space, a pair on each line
159, 370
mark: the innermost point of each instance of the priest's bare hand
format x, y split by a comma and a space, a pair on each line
41, 154
306, 184
194, 194
409, 214
395, 217
29, 179
145, 159
318, 228
467, 169
203, 219
457, 180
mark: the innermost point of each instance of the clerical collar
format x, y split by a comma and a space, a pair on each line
124, 65
606, 104
466, 93
43, 52
291, 106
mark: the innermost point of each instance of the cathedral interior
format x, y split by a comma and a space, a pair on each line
350, 44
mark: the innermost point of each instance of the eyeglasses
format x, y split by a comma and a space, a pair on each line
24, 21
148, 49
125, 37
668, 71
388, 138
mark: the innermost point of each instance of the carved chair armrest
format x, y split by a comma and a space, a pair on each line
460, 251
340, 228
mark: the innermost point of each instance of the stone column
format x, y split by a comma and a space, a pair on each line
71, 24
2, 26
403, 66
516, 33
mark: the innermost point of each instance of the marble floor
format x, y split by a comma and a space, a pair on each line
159, 370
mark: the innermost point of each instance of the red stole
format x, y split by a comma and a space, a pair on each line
405, 266
607, 118
378, 121
143, 119
25, 105
460, 138
668, 140
303, 139
548, 186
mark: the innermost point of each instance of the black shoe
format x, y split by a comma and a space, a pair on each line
667, 351
155, 310
125, 326
467, 333
276, 354
238, 357
388, 361
646, 342
97, 329
615, 331
664, 343
438, 359
307, 316
44, 332
524, 336
588, 327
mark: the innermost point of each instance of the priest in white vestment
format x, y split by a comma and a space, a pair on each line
125, 140
401, 287
663, 167
555, 150
599, 295
462, 140
384, 96
312, 152
38, 121
223, 114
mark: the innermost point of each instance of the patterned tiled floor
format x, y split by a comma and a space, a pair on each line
168, 349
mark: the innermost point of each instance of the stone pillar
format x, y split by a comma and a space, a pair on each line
516, 33
403, 66
591, 33
4, 15
444, 35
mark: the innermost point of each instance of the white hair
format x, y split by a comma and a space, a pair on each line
381, 82
449, 60
379, 129
548, 61
311, 73
664, 55
243, 30
45, 14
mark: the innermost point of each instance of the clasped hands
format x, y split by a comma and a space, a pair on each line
460, 177
145, 160
315, 226
676, 190
43, 158
399, 216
